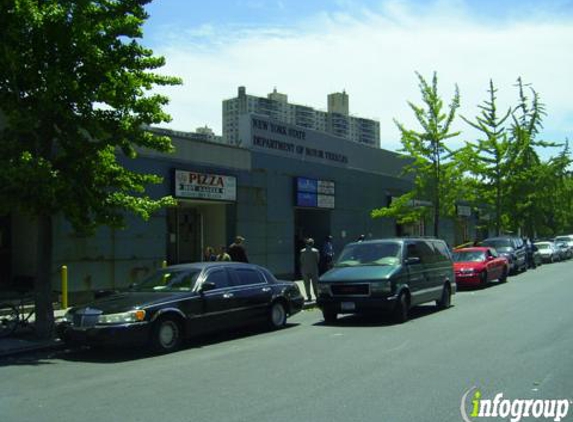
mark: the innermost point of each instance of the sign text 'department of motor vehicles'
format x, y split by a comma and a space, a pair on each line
196, 185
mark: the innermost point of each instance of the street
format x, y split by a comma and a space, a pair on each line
515, 339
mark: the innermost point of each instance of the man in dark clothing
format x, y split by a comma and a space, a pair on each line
237, 250
327, 255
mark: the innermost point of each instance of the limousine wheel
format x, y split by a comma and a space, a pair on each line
277, 315
166, 335
402, 308
445, 301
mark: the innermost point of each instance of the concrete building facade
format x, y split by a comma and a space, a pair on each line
284, 184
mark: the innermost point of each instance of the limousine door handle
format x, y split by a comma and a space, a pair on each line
228, 295
266, 289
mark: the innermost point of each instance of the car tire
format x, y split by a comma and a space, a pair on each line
329, 315
503, 278
483, 280
166, 335
402, 308
277, 315
445, 300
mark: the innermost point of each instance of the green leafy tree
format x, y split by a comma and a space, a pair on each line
435, 174
554, 198
488, 158
525, 175
74, 94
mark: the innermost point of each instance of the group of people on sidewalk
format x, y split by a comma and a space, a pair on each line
235, 252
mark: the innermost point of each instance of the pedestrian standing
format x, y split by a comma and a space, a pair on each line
327, 254
237, 250
223, 255
209, 254
309, 259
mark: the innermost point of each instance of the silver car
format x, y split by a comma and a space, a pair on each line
548, 251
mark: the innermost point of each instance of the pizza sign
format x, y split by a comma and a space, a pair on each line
195, 185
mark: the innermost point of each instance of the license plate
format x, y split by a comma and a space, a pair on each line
347, 306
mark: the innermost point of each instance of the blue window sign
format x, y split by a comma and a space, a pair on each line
306, 185
306, 199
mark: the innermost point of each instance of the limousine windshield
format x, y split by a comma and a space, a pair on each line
169, 280
380, 253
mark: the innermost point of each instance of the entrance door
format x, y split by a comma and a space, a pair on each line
184, 243
313, 223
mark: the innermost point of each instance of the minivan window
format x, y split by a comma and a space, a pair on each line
380, 253
427, 253
442, 249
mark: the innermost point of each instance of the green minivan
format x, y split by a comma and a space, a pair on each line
390, 275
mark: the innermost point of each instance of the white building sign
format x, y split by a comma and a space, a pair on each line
194, 185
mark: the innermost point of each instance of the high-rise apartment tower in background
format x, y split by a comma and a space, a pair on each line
336, 121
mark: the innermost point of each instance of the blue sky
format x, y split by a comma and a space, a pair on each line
371, 48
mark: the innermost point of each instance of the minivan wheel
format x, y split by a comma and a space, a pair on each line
166, 335
445, 301
329, 316
401, 309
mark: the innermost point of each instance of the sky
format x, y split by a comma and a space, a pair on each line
372, 49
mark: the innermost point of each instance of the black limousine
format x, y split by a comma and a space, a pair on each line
180, 301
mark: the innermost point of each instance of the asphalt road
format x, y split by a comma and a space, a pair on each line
515, 339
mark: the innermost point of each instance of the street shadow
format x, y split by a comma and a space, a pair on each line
379, 320
489, 285
112, 355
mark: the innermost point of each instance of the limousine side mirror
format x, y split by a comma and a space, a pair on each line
207, 285
412, 260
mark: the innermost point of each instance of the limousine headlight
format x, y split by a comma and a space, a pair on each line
123, 317
381, 287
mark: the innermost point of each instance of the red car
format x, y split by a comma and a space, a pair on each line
477, 266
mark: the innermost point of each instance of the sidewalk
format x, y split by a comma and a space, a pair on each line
27, 343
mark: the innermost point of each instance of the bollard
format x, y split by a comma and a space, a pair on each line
163, 264
64, 287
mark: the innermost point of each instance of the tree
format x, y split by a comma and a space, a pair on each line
525, 175
434, 173
488, 158
74, 94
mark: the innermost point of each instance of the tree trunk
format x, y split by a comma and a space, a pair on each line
43, 283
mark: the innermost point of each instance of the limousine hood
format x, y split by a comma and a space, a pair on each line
122, 302
359, 273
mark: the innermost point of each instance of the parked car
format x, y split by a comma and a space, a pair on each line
548, 251
564, 250
512, 248
565, 238
478, 266
387, 275
180, 301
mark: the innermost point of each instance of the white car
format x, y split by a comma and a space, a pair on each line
548, 251
568, 238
